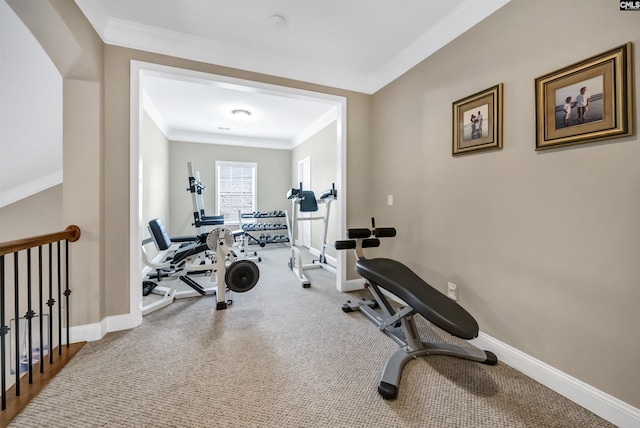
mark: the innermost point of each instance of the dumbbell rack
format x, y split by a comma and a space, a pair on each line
259, 232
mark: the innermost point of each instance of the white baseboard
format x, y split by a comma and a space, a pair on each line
96, 331
602, 404
352, 285
331, 260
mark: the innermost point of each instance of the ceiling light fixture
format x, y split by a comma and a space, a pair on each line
241, 115
277, 21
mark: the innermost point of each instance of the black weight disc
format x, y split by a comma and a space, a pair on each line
242, 276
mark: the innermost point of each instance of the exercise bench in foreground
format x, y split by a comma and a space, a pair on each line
420, 297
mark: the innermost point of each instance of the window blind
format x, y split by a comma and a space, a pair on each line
236, 189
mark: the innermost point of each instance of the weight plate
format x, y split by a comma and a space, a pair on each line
214, 236
242, 276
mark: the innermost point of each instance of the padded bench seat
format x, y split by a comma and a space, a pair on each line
189, 250
424, 299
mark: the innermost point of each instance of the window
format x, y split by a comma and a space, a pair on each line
236, 189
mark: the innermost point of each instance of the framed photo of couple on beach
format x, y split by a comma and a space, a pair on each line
585, 102
477, 122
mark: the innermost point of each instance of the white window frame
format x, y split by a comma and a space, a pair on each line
232, 217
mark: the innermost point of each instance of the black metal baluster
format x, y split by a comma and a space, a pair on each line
40, 309
16, 326
59, 303
51, 301
28, 316
3, 332
67, 292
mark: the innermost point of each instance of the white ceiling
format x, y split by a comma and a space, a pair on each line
359, 45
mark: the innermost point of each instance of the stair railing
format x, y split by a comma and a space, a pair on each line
28, 282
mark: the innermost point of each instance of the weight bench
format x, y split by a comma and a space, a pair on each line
420, 298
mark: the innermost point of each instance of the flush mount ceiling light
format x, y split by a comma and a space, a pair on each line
277, 21
241, 115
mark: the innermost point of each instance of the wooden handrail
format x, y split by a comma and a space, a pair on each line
72, 233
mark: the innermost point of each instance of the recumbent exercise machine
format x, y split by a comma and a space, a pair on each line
208, 253
420, 298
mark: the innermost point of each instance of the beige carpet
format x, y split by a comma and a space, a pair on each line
282, 356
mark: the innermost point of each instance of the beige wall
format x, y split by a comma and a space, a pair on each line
543, 245
36, 215
272, 179
154, 198
154, 149
322, 150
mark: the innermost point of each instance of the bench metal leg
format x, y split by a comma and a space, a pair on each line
390, 381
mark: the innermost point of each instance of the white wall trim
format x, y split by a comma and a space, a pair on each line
447, 29
30, 188
155, 115
120, 32
315, 127
602, 404
331, 260
96, 331
230, 140
352, 285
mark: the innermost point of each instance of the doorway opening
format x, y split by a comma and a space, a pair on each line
139, 70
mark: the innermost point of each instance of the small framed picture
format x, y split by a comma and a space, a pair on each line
587, 101
477, 122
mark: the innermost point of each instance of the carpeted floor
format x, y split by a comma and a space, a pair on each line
282, 356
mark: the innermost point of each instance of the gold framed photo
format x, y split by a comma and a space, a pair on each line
585, 102
477, 122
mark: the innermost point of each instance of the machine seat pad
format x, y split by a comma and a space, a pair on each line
424, 299
189, 250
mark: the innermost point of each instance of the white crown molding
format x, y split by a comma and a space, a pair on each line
315, 127
29, 188
453, 25
238, 85
136, 36
211, 138
227, 140
153, 112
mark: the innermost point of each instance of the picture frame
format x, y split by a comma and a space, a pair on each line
477, 122
588, 101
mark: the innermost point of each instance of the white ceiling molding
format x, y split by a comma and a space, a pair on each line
245, 90
29, 188
209, 138
446, 30
150, 108
333, 60
315, 127
137, 36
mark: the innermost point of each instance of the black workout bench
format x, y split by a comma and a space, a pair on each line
420, 297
